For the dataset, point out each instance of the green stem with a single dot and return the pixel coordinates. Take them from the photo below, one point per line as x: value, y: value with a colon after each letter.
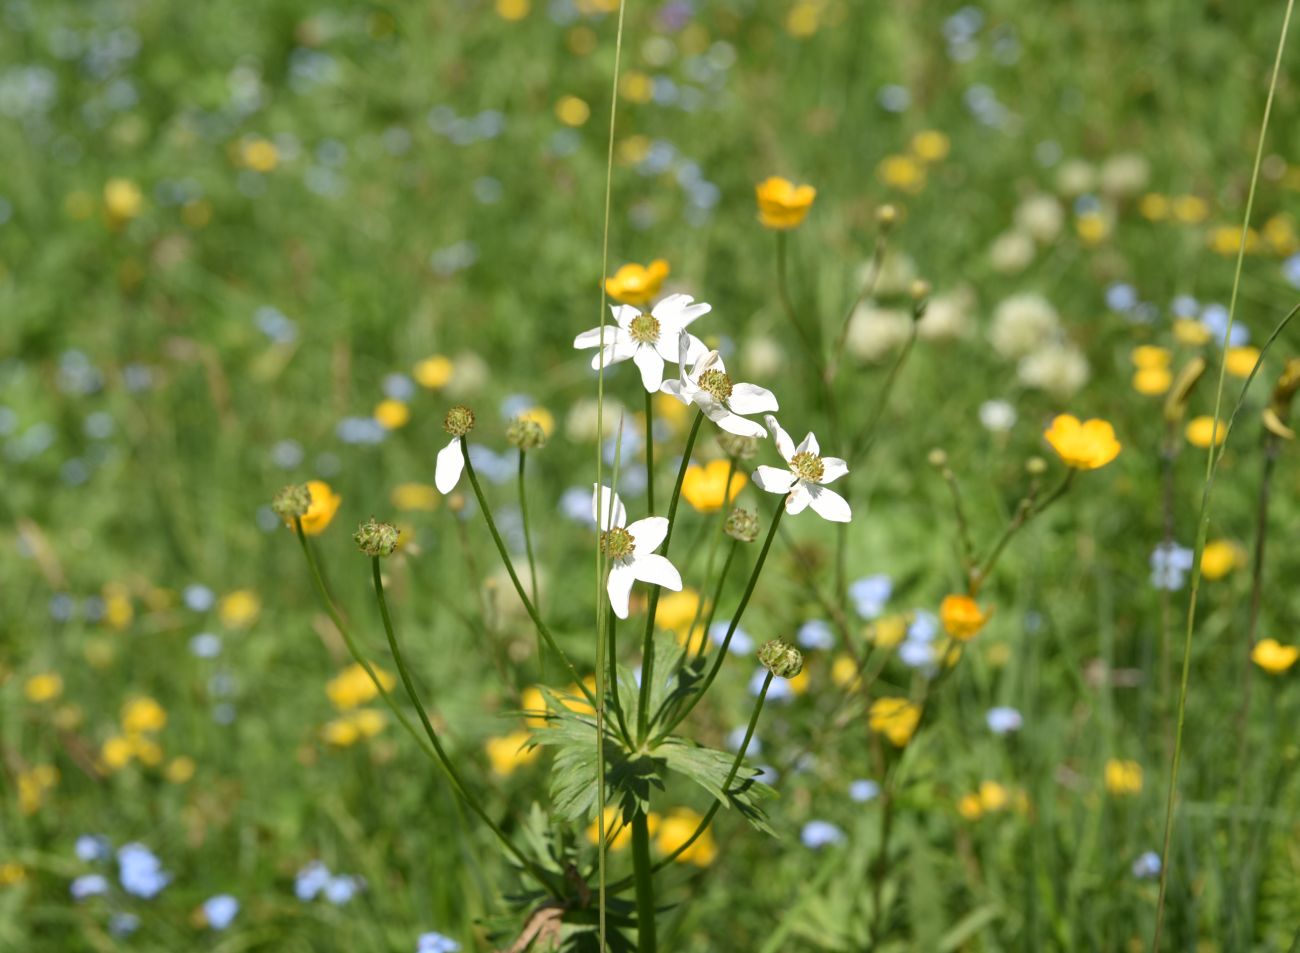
x: 611, y: 621
x: 528, y: 539
x: 735, y: 620
x: 542, y: 630
x: 647, y: 640
x: 649, y: 452
x: 862, y: 443
x: 708, y: 564
x: 447, y: 766
x: 646, y: 941
x: 1026, y: 511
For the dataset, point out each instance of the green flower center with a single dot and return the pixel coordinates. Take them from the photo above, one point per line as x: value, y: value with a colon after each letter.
x: 807, y: 466
x: 644, y: 329
x: 716, y: 383
x: 617, y: 543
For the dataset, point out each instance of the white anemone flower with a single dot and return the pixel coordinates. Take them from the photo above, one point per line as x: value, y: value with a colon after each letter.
x: 806, y: 478
x: 630, y: 549
x: 708, y: 387
x: 648, y: 338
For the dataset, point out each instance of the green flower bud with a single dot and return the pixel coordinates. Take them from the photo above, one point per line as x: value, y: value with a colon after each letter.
x: 741, y: 525
x: 375, y: 538
x: 734, y: 445
x: 292, y: 502
x: 525, y: 434
x: 1035, y: 466
x: 781, y: 658
x: 459, y: 421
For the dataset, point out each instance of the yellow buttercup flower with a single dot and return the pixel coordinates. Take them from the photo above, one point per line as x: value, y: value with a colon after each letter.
x: 1149, y: 356
x: 143, y: 714
x: 1153, y: 381
x: 901, y: 172
x: 637, y: 284
x: 1240, y: 361
x: 676, y: 612
x: 33, y: 785
x: 1220, y: 557
x: 341, y: 732
x: 122, y: 200
x: 324, y: 504
x: 889, y: 631
x: 844, y: 671
x: 513, y: 10
x: 433, y: 372
x: 12, y: 873
x: 1274, y: 657
x: 353, y: 687
x: 1187, y: 331
x: 1092, y: 227
x: 676, y: 828
x: 179, y: 770
x: 259, y: 154
x: 969, y: 807
x: 962, y: 617
x: 1086, y: 445
x: 43, y: 688
x: 572, y: 111
x: 705, y: 488
x: 618, y: 834
x: 1154, y: 207
x: 993, y: 796
x: 392, y: 414
x: 145, y: 750
x: 782, y: 204
x: 575, y: 701
x: 116, y: 753
x: 1226, y: 240
x: 1123, y: 777
x: 895, y: 718
x: 533, y: 703
x: 369, y: 721
x: 545, y: 419
x: 239, y: 609
x: 1201, y: 430
x: 509, y: 752
x: 1190, y: 209
x: 931, y: 145
x: 415, y: 496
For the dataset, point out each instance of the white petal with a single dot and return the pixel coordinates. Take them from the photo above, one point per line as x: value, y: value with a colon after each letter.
x: 752, y: 399
x: 616, y: 351
x: 809, y: 445
x: 603, y: 513
x: 832, y: 469
x: 679, y: 311
x: 619, y: 588
x: 798, y: 499
x: 734, y: 423
x: 784, y: 445
x: 656, y: 570
x: 649, y: 533
x: 592, y: 338
x: 676, y: 389
x: 624, y: 315
x: 695, y: 349
x: 773, y: 480
x: 450, y: 462
x: 829, y: 505
x: 652, y: 367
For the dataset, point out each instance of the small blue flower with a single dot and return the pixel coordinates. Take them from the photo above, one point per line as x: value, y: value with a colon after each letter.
x: 864, y: 790
x: 205, y: 645
x: 339, y: 890
x: 436, y: 943
x: 1215, y: 319
x: 1169, y: 565
x: 220, y: 910
x: 1121, y: 297
x: 199, y: 598
x: 1147, y: 866
x: 870, y: 594
x: 123, y: 924
x: 92, y: 847
x: 141, y: 872
x: 778, y: 691
x: 741, y: 642
x: 398, y: 387
x: 1291, y: 270
x: 916, y: 654
x: 1003, y: 720
x: 89, y: 885
x: 818, y: 834
x: 767, y: 774
x: 923, y: 627
x: 1184, y: 306
x: 311, y: 880
x: 816, y: 634
x: 515, y: 404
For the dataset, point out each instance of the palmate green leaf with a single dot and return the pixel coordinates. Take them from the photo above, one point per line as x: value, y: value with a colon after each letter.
x: 709, y: 767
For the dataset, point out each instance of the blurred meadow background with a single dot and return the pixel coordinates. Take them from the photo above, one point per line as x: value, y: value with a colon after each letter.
x: 244, y: 245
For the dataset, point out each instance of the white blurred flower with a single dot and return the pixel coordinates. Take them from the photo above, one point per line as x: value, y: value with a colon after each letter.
x: 876, y: 332
x: 997, y: 416
x: 709, y: 388
x: 1075, y: 177
x: 762, y: 357
x: 947, y: 316
x: 1023, y: 323
x: 1059, y: 369
x: 897, y: 272
x: 1125, y: 174
x: 1011, y: 252
x: 1041, y: 216
x: 580, y: 424
x: 470, y: 372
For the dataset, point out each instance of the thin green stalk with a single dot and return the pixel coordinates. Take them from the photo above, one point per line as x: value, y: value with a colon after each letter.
x: 611, y: 634
x: 1026, y: 511
x: 528, y: 539
x: 735, y: 621
x: 716, y: 538
x: 447, y: 765
x: 646, y: 941
x: 717, y: 594
x: 647, y: 640
x: 862, y: 443
x: 514, y: 577
x: 649, y: 453
x: 1204, y: 517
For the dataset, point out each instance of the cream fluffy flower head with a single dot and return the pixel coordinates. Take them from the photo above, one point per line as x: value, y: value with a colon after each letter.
x: 1022, y: 324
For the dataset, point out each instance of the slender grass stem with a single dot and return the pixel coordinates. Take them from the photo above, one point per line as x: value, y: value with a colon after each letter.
x: 528, y: 538
x: 646, y: 941
x: 708, y: 564
x: 649, y: 452
x: 531, y: 609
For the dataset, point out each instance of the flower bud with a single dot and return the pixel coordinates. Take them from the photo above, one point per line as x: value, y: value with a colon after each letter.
x: 525, y: 434
x: 459, y: 421
x: 741, y: 525
x: 375, y: 538
x: 781, y: 658
x: 1176, y: 400
x: 1035, y: 466
x: 735, y: 445
x: 938, y: 457
x: 292, y: 502
x: 919, y: 290
x: 887, y: 215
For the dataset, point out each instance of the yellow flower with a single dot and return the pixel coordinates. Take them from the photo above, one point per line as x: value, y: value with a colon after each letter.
x: 1154, y: 207
x: 513, y: 10
x: 546, y: 420
x: 676, y: 829
x: 509, y: 752
x: 1220, y: 557
x: 1190, y: 209
x: 993, y: 796
x: 799, y: 684
x: 969, y: 807
x: 533, y: 703
x: 676, y: 612
x: 901, y: 172
x: 1092, y: 227
x: 962, y: 617
x: 1226, y: 240
x: 1274, y: 657
x: 572, y: 111
x: 1149, y: 356
x: 705, y: 488
x: 1123, y: 777
x: 392, y: 414
x: 844, y: 671
x: 895, y: 718
x: 44, y: 687
x: 618, y: 834
x: 1201, y: 430
x: 259, y: 154
x: 1085, y: 445
x: 179, y: 770
x: 33, y: 786
x: 637, y: 284
x: 1279, y: 232
x: 1153, y: 381
x: 122, y: 200
x: 1240, y: 361
x: 576, y: 702
x: 239, y: 609
x: 414, y: 496
x: 116, y: 753
x: 368, y: 721
x: 803, y: 19
x: 118, y: 610
x: 12, y: 873
x: 782, y: 204
x: 143, y: 714
x: 341, y: 732
x: 888, y: 631
x: 353, y: 687
x: 433, y: 372
x: 324, y: 504
x: 1187, y: 331
x: 145, y: 750
x: 931, y: 145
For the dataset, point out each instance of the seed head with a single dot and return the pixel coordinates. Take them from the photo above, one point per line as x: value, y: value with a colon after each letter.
x: 525, y: 434
x: 716, y: 383
x: 617, y: 543
x: 459, y: 421
x: 734, y: 445
x: 808, y: 466
x: 781, y: 658
x: 375, y: 538
x: 292, y: 502
x: 741, y: 525
x: 644, y: 329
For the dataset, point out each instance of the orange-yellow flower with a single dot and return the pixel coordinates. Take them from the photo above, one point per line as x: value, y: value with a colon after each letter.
x: 1153, y: 381
x: 1274, y: 657
x: 895, y: 718
x: 1220, y: 557
x: 705, y: 488
x: 782, y: 204
x: 324, y: 504
x: 637, y: 284
x: 509, y: 752
x: 1202, y: 430
x: 676, y: 828
x: 1085, y: 445
x: 1240, y: 361
x: 1123, y: 777
x: 962, y: 617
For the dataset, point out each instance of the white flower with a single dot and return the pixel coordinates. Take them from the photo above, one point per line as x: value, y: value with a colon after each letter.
x: 1075, y: 176
x: 1023, y: 323
x: 997, y: 416
x: 947, y: 316
x: 875, y: 333
x: 630, y: 549
x: 805, y: 480
x: 1059, y: 369
x: 708, y: 387
x: 1125, y: 174
x: 1011, y: 252
x: 1041, y: 216
x: 451, y: 461
x: 648, y: 338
